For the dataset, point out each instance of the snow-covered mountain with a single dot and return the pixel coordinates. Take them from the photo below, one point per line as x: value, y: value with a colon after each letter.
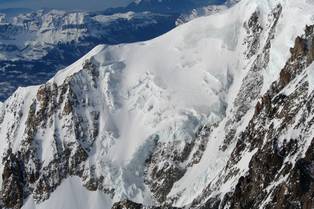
x: 33, y: 46
x: 217, y: 113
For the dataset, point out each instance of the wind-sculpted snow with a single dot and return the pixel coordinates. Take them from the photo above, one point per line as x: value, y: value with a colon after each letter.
x: 204, y: 116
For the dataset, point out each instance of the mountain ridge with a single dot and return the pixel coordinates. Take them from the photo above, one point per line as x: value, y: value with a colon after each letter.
x: 35, y: 45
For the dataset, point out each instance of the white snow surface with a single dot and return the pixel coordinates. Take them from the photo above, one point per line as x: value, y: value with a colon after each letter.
x: 71, y: 194
x: 167, y: 86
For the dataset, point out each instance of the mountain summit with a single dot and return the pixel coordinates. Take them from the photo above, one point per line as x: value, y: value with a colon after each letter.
x: 217, y: 113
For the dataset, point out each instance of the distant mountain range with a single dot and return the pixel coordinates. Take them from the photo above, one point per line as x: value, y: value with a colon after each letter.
x: 165, y: 6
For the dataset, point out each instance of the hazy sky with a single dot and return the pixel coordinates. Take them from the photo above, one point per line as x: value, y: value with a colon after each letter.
x: 62, y: 4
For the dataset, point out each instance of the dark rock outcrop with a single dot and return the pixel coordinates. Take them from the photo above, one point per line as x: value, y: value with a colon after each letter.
x: 13, y: 186
x: 272, y: 161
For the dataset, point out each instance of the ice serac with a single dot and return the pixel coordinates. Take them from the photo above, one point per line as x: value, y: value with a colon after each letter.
x: 216, y: 113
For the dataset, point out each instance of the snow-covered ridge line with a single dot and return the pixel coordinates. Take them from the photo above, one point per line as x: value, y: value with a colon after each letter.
x: 38, y: 30
x: 34, y: 46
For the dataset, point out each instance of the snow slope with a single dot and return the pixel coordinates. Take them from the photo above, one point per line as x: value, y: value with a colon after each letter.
x: 149, y: 95
x: 71, y: 194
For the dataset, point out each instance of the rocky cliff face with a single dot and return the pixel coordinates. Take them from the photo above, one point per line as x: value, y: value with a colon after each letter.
x: 191, y: 129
